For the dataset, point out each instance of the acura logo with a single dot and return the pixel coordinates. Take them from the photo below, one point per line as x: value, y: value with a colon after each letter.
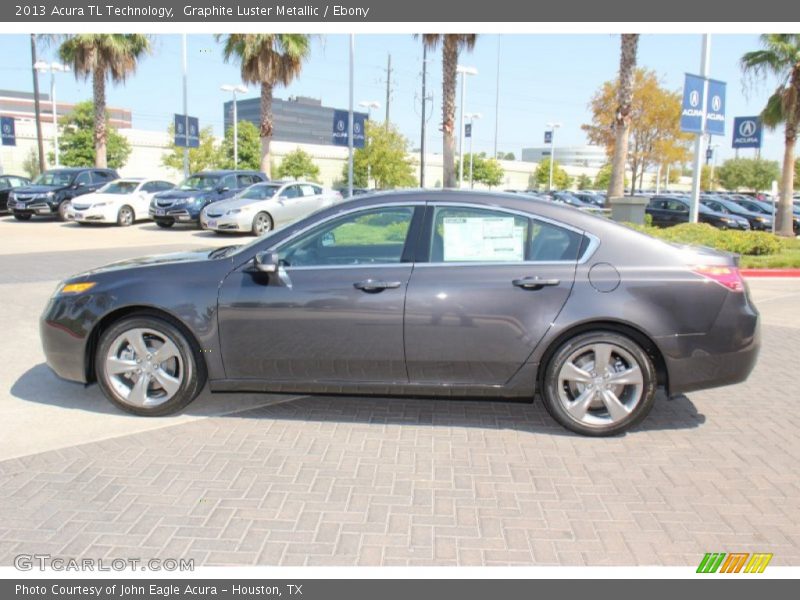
x: 340, y: 125
x: 694, y: 98
x: 747, y: 128
x: 716, y: 103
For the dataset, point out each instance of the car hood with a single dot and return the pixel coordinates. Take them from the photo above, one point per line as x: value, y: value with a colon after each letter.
x: 36, y: 189
x: 234, y: 203
x: 95, y: 198
x: 187, y: 256
x: 181, y: 194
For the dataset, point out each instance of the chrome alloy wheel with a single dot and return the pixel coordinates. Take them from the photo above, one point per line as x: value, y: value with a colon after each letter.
x: 600, y: 384
x: 144, y: 367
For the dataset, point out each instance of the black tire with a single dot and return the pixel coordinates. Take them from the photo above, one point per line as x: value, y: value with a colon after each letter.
x: 551, y: 395
x: 262, y: 224
x: 125, y: 216
x: 193, y: 373
x: 62, y: 210
x: 165, y: 224
x: 22, y: 217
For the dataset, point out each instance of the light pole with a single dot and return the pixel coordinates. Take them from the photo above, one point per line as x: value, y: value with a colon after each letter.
x: 369, y: 105
x: 53, y: 68
x: 464, y: 71
x: 233, y: 89
x: 713, y: 149
x: 471, y: 117
x: 552, y: 127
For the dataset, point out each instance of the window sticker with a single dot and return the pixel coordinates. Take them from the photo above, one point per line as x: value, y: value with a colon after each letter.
x: 482, y: 239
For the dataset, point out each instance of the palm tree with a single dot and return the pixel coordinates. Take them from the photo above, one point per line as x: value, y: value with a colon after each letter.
x: 622, y: 119
x: 268, y: 59
x: 780, y: 57
x: 102, y: 56
x: 452, y: 45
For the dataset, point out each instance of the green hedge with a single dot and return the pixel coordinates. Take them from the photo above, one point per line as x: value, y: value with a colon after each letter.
x: 746, y: 243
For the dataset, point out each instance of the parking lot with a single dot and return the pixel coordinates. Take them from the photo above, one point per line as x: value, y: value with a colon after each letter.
x: 278, y: 479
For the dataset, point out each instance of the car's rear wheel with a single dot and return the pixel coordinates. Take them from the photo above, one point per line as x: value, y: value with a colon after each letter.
x: 165, y: 224
x: 125, y: 216
x: 599, y: 383
x: 262, y: 223
x: 147, y: 366
x: 62, y: 210
x: 22, y: 217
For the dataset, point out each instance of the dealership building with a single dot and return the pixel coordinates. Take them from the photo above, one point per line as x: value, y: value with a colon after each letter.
x: 20, y: 105
x: 300, y: 119
x: 591, y: 157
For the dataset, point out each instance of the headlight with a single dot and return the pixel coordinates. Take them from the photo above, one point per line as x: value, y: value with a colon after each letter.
x: 12, y: 196
x: 761, y: 219
x: 50, y: 194
x: 726, y: 220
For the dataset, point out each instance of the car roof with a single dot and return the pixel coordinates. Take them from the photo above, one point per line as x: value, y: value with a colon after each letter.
x: 228, y: 172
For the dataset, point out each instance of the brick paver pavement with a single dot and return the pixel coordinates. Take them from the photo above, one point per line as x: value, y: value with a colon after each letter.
x: 413, y: 482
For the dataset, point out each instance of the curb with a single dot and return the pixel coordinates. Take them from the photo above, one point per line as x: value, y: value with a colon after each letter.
x: 782, y: 273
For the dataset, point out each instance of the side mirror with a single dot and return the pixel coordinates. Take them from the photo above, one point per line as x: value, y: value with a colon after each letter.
x: 266, y: 262
x: 78, y: 184
x: 222, y: 189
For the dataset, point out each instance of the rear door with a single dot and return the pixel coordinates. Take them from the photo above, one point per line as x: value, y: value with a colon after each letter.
x: 489, y: 285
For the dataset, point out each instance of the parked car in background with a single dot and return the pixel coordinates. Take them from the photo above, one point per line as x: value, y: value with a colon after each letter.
x: 759, y: 206
x: 8, y: 183
x: 357, y: 191
x: 266, y: 206
x: 667, y: 211
x: 51, y: 192
x: 184, y: 203
x: 425, y: 293
x: 758, y: 220
x: 122, y: 201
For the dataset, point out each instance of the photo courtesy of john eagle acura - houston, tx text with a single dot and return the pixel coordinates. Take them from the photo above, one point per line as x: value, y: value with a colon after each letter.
x: 416, y: 293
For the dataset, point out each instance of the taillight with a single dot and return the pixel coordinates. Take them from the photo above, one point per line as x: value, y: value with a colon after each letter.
x: 725, y: 276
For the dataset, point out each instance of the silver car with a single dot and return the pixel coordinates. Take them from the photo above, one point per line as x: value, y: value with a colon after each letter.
x: 266, y: 206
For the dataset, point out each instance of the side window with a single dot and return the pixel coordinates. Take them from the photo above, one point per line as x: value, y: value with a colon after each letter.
x: 477, y: 235
x: 375, y: 236
x: 5, y: 182
x: 291, y: 191
x: 83, y: 178
x: 229, y: 181
x: 307, y: 190
x: 550, y: 242
x: 164, y: 185
x: 246, y: 180
x: 101, y: 176
x: 676, y: 206
x: 317, y: 189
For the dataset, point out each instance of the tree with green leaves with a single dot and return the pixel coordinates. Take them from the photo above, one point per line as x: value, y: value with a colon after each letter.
x: 584, y: 182
x: 76, y: 143
x: 541, y: 176
x: 780, y: 57
x: 383, y: 159
x: 747, y: 174
x: 103, y: 56
x: 298, y: 164
x: 249, y: 147
x: 603, y: 178
x: 30, y: 164
x: 484, y: 170
x: 205, y: 156
x: 452, y: 45
x: 267, y: 60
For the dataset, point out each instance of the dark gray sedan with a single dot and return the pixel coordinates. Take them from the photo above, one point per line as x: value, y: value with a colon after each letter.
x: 416, y: 293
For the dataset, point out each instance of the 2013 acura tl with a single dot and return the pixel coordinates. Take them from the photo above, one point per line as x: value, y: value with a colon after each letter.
x: 416, y: 293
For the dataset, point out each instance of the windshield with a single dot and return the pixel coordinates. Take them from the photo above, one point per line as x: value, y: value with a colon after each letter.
x: 200, y: 182
x: 260, y: 192
x: 55, y: 178
x: 119, y: 187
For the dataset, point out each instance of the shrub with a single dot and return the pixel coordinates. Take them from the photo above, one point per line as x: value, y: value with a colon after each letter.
x: 746, y: 243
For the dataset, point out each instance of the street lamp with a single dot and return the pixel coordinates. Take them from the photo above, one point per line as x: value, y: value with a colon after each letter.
x: 52, y: 68
x: 369, y: 105
x: 552, y: 127
x: 233, y: 89
x: 464, y: 71
x: 471, y: 117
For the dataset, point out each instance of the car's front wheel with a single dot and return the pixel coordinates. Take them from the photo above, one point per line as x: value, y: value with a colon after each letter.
x: 262, y: 223
x: 165, y: 224
x: 63, y: 208
x: 147, y: 366
x: 125, y: 216
x: 22, y: 217
x: 599, y: 383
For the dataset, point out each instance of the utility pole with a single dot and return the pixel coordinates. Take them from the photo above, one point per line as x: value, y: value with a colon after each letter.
x: 694, y: 205
x: 185, y: 109
x: 350, y: 119
x: 36, y: 108
x: 497, y: 99
x: 422, y: 127
x: 388, y: 89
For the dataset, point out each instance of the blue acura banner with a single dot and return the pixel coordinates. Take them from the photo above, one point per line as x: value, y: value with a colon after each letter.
x: 692, y: 108
x: 7, y: 129
x: 715, y: 107
x: 747, y: 132
x: 184, y: 138
x: 340, y: 128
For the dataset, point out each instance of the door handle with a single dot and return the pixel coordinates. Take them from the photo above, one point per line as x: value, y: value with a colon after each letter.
x: 534, y: 283
x: 373, y: 286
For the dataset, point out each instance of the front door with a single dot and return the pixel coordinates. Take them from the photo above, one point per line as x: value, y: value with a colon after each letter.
x: 493, y: 284
x: 333, y: 312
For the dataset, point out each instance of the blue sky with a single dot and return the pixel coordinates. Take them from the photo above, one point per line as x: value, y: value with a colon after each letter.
x: 542, y: 78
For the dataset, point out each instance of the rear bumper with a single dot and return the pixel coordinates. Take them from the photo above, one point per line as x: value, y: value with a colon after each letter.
x: 726, y: 355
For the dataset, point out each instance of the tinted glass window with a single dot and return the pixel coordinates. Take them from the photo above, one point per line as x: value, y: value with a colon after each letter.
x: 291, y: 191
x: 54, y: 178
x: 101, y: 176
x: 245, y: 180
x: 260, y: 192
x: 676, y: 205
x: 477, y: 235
x: 200, y: 182
x: 119, y: 187
x: 83, y: 178
x: 369, y: 237
x: 551, y: 242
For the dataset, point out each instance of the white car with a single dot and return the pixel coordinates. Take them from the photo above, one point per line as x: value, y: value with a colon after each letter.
x: 263, y: 207
x: 122, y: 201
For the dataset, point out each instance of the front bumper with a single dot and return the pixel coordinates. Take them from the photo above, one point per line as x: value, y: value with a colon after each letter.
x: 34, y: 207
x: 92, y: 215
x: 238, y: 222
x: 180, y: 214
x: 65, y: 348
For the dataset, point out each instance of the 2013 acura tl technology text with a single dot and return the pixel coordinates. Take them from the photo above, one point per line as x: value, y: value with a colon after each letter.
x: 416, y: 293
